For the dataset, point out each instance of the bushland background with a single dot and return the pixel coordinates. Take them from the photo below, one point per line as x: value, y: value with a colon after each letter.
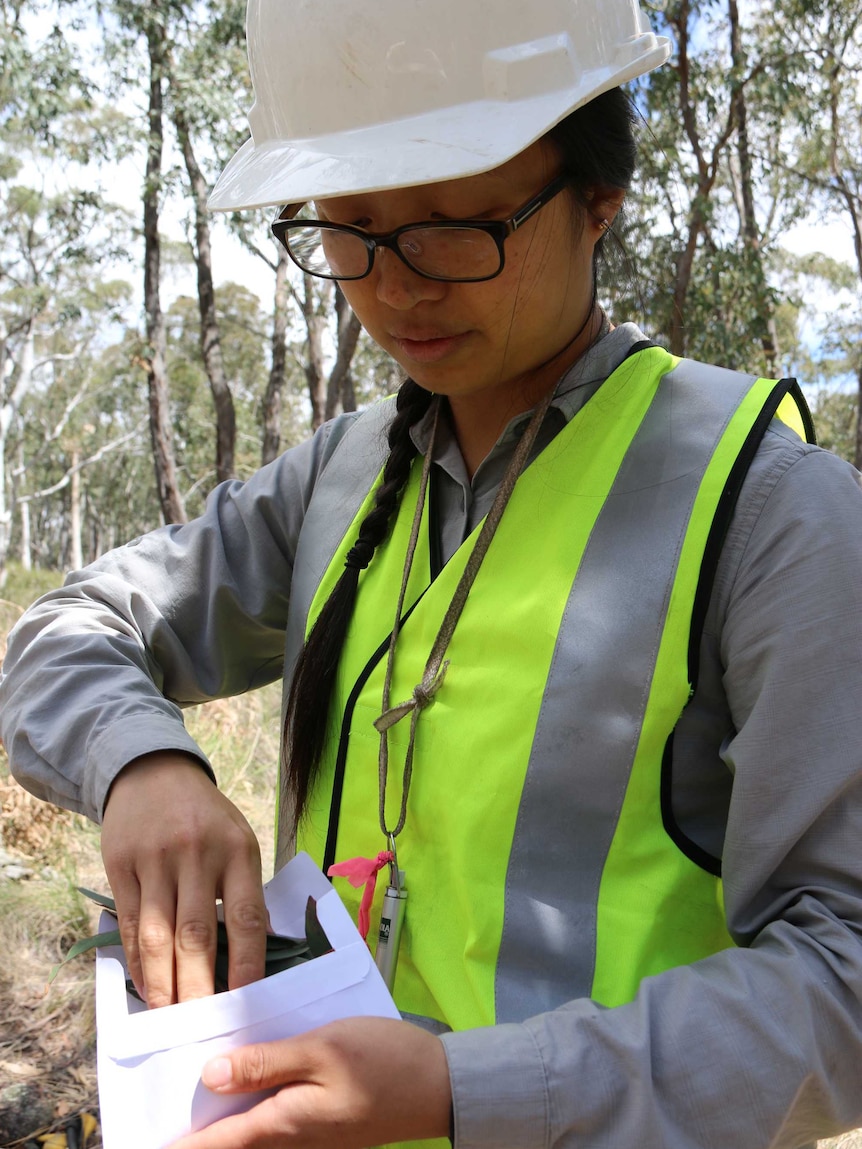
x: 149, y: 351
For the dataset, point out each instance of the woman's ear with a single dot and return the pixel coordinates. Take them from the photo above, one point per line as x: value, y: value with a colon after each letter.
x: 603, y: 203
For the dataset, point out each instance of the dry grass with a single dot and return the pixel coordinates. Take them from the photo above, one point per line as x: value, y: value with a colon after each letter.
x: 47, y: 1051
x: 47, y: 1070
x: 241, y: 737
x: 47, y: 1037
x: 848, y: 1141
x: 31, y: 827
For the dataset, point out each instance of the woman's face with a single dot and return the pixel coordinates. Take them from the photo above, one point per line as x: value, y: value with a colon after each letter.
x: 502, y: 341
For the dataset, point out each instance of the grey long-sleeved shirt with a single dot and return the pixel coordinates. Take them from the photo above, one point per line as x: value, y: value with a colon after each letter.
x: 755, y: 1047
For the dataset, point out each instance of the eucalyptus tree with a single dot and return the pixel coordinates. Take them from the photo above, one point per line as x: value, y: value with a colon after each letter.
x: 87, y: 480
x: 743, y: 178
x: 207, y: 86
x: 273, y: 396
x: 243, y: 326
x: 330, y: 333
x: 192, y: 52
x: 689, y: 121
x: 53, y: 309
x: 62, y: 246
x: 128, y: 27
x: 823, y: 145
x: 711, y: 203
x: 151, y: 21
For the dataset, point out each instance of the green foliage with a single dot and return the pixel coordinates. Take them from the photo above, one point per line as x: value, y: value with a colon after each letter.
x: 24, y: 586
x: 243, y: 328
x: 62, y: 248
x: 282, y: 952
x: 51, y: 908
x: 835, y: 415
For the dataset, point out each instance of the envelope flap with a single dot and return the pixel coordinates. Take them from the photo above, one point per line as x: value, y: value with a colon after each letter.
x: 125, y: 1036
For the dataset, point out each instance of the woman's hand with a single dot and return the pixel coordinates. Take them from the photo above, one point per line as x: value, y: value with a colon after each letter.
x: 356, y: 1083
x: 172, y: 844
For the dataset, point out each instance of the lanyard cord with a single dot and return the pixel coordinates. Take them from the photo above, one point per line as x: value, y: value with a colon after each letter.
x: 383, y: 754
x: 435, y: 667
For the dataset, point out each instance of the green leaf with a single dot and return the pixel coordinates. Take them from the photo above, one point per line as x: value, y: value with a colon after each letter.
x: 97, y: 941
x: 282, y: 952
x: 102, y: 900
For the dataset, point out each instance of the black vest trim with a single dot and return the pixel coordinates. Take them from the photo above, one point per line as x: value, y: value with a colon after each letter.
x: 343, y: 740
x: 703, y: 594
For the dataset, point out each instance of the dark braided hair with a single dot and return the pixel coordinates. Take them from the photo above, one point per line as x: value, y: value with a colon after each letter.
x: 308, y: 705
x: 597, y: 148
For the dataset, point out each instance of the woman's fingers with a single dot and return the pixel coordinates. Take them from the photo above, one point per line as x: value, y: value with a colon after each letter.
x: 246, y: 920
x: 254, y: 1068
x: 354, y: 1083
x: 127, y: 897
x: 156, y: 941
x: 195, y: 935
x: 171, y: 842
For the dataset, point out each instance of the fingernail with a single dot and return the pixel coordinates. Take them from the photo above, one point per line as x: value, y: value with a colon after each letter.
x: 217, y: 1073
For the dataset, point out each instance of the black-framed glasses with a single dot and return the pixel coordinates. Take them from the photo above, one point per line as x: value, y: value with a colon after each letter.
x: 457, y: 251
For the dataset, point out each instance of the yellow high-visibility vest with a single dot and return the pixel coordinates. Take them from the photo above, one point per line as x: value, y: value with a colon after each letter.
x: 539, y: 850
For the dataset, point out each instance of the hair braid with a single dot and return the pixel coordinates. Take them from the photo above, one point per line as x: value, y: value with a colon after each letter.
x: 309, y: 701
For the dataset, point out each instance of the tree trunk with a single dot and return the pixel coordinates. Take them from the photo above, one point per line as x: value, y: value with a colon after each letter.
x: 697, y: 214
x: 854, y: 209
x: 76, y: 554
x: 764, y: 321
x: 5, y: 516
x: 707, y: 168
x: 314, y: 313
x: 8, y: 414
x: 682, y: 280
x: 210, y: 335
x: 26, y: 534
x: 155, y: 362
x: 340, y: 385
x: 275, y: 385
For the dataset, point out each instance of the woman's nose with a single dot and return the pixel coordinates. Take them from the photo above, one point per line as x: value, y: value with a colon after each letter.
x: 398, y: 286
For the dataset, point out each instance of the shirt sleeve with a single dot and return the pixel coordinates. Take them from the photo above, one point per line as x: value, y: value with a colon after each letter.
x: 760, y: 1045
x: 97, y: 672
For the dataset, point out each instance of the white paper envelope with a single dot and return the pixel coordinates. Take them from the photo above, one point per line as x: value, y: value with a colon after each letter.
x: 150, y: 1062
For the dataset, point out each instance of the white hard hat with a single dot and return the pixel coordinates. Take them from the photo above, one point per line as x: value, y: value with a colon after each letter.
x: 363, y: 95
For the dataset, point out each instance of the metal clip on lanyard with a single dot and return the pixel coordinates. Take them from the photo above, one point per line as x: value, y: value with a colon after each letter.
x: 391, y: 920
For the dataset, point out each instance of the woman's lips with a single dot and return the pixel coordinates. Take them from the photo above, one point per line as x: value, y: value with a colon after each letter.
x: 429, y: 350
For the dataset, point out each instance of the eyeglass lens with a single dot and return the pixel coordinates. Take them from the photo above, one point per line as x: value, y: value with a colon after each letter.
x: 445, y: 252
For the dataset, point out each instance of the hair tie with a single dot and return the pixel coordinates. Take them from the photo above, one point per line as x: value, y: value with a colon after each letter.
x: 359, y: 555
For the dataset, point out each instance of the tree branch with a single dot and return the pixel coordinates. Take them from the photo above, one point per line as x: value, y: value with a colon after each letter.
x: 94, y: 458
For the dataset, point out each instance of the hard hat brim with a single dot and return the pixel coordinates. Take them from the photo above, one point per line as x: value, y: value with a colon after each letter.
x: 445, y: 144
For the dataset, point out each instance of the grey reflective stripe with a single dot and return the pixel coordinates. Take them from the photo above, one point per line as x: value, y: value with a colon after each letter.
x: 336, y: 500
x: 596, y: 694
x: 427, y: 1023
x: 337, y: 497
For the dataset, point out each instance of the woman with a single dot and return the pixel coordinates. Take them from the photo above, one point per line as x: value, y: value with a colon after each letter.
x: 583, y: 635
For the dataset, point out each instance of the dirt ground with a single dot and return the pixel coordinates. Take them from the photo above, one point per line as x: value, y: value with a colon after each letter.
x: 47, y: 1036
